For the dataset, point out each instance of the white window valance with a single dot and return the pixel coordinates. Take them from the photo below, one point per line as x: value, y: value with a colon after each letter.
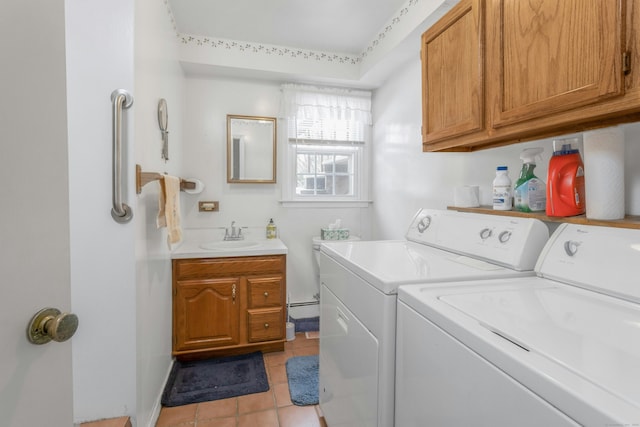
x: 325, y: 115
x: 314, y: 103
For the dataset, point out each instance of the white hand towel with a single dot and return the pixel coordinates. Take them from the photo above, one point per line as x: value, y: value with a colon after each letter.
x: 169, y: 208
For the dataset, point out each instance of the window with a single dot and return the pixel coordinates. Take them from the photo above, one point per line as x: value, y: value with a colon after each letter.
x: 327, y: 132
x: 326, y: 171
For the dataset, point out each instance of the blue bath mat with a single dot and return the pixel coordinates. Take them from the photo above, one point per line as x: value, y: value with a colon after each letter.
x: 307, y: 324
x: 213, y: 379
x: 302, y: 374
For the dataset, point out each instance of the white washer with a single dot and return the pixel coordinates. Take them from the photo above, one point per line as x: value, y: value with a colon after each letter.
x: 559, y: 349
x: 359, y: 282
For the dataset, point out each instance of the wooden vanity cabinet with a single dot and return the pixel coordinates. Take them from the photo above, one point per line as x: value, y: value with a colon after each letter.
x: 225, y: 306
x: 546, y: 68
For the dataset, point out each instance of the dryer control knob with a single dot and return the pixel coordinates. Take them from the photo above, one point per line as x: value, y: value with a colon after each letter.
x: 424, y: 223
x: 485, y: 233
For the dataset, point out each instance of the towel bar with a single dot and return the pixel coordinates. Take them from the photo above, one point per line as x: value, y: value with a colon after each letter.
x: 143, y: 178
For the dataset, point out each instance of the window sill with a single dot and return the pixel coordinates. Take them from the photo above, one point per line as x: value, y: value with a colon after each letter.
x: 326, y: 203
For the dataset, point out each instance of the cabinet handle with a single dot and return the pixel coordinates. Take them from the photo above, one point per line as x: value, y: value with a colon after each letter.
x: 233, y: 293
x: 266, y: 326
x: 626, y: 63
x: 266, y: 294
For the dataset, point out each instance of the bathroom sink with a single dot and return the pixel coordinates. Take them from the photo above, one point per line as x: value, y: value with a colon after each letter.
x: 209, y: 247
x: 223, y: 245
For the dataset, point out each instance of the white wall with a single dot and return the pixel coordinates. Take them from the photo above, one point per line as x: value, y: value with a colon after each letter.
x: 403, y: 178
x: 157, y: 75
x: 406, y: 179
x: 100, y: 60
x: 208, y: 101
x: 121, y: 274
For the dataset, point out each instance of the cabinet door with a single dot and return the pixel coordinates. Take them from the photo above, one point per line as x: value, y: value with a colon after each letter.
x: 206, y: 313
x: 550, y: 56
x: 452, y: 73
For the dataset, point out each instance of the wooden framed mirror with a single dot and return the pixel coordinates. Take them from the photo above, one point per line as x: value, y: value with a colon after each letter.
x: 251, y: 149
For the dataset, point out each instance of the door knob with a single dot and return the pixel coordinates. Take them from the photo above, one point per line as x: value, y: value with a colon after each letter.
x: 50, y: 324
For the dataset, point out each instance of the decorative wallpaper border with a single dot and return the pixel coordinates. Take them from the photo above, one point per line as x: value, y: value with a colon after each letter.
x: 394, y: 22
x: 305, y: 54
x: 266, y: 49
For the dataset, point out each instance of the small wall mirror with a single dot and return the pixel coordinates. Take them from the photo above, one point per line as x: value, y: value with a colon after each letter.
x: 251, y: 149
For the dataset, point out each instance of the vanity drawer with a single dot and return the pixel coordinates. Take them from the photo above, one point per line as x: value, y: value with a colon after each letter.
x: 265, y: 291
x: 208, y: 267
x: 265, y: 325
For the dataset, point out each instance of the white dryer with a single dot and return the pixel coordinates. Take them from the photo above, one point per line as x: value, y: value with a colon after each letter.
x: 559, y: 349
x: 359, y: 282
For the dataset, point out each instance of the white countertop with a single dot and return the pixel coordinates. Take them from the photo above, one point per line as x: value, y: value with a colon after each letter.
x: 193, y: 241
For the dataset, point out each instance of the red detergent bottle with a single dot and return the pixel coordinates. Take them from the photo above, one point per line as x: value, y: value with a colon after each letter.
x: 565, y: 180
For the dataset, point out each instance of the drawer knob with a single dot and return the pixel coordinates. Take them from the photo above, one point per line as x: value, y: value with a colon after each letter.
x: 266, y: 326
x: 266, y: 294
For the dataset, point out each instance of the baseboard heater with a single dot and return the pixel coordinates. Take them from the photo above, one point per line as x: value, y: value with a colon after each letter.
x: 304, y: 303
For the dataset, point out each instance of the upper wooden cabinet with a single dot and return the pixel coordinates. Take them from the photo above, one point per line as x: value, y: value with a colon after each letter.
x: 552, y: 56
x: 537, y: 69
x: 452, y: 73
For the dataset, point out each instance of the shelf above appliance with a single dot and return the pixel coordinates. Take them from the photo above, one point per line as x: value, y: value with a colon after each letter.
x: 629, y: 221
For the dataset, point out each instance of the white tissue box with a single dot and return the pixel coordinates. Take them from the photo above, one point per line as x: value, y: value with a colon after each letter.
x: 334, y: 233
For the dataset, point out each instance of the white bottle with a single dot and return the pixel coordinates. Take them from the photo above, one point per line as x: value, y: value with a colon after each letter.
x: 502, y: 190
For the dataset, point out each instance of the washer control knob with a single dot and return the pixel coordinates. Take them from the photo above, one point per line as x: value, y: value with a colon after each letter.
x: 504, y: 236
x: 571, y: 247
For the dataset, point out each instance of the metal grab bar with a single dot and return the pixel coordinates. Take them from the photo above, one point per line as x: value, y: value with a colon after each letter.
x: 120, y: 212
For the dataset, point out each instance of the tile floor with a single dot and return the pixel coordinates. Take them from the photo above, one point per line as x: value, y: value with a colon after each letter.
x: 112, y: 422
x: 272, y: 408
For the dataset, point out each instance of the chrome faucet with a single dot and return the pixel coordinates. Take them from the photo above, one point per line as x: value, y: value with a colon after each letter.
x: 236, y: 232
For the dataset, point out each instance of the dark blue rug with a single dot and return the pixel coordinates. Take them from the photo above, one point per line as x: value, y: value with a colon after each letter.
x: 213, y: 379
x: 307, y: 324
x: 302, y: 374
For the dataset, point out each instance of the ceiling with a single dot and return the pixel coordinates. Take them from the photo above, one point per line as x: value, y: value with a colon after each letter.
x: 339, y: 26
x: 355, y: 43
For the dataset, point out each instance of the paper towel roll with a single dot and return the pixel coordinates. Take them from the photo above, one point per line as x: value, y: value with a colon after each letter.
x: 466, y: 196
x: 604, y: 173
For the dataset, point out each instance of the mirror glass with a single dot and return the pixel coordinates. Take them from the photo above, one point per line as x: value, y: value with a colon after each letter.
x: 251, y: 149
